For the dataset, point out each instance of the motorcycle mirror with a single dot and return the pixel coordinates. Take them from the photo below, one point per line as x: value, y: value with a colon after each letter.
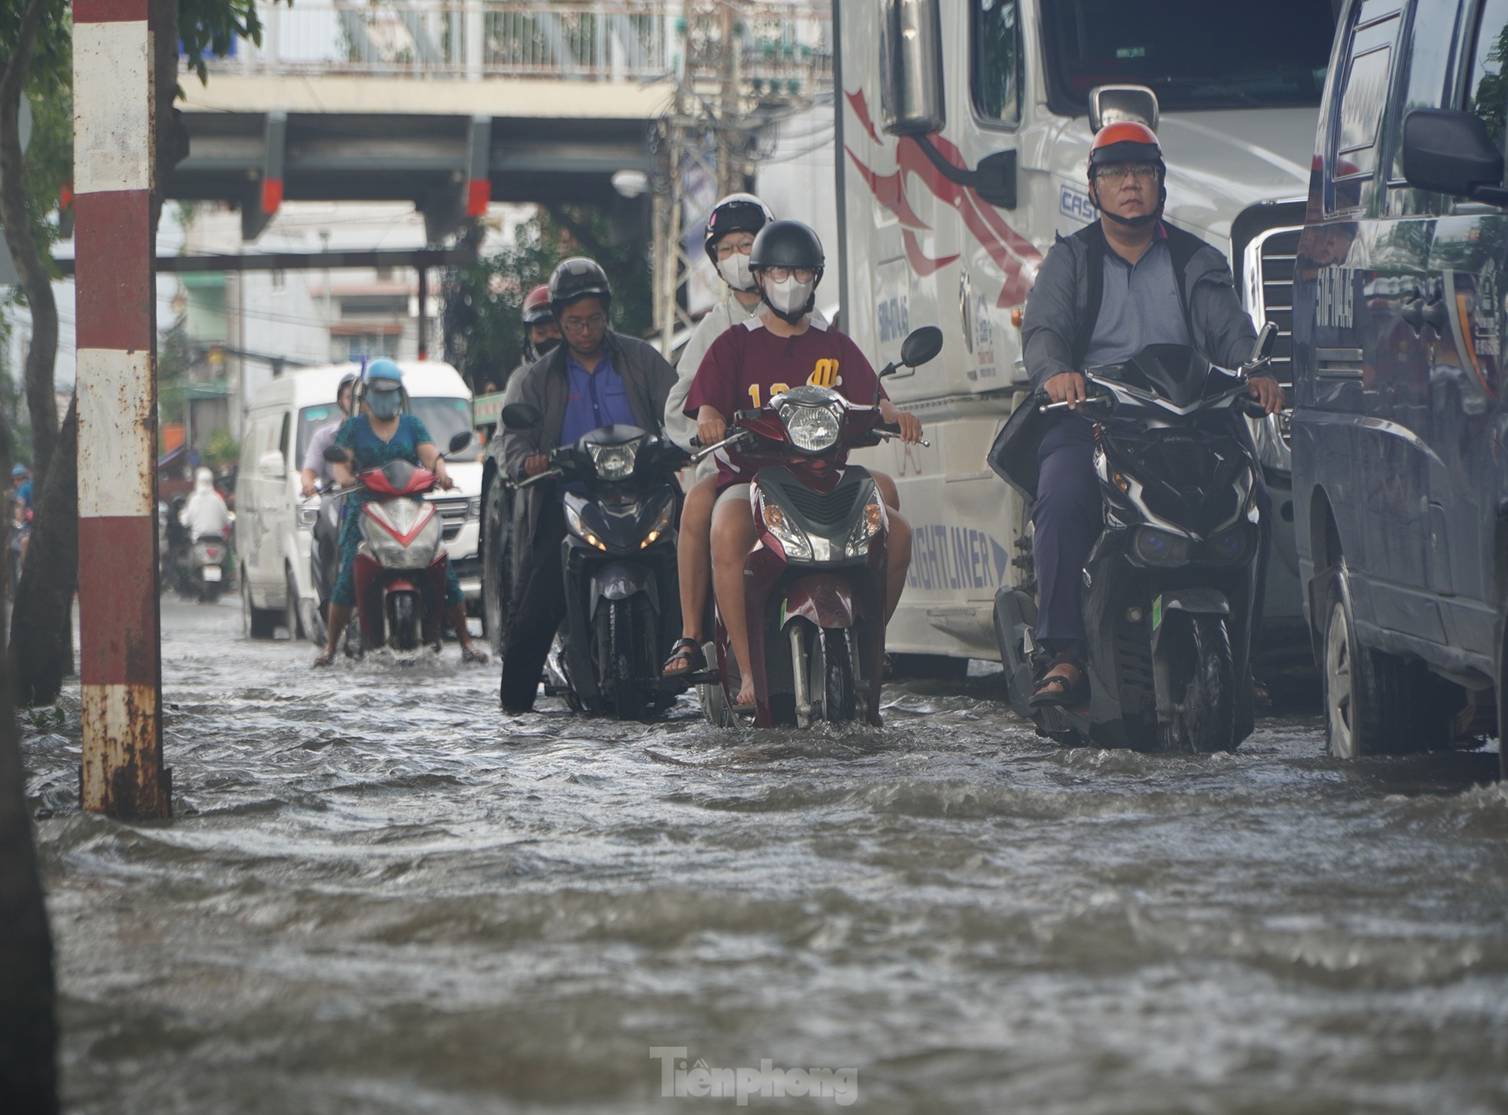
x: 921, y: 345
x: 521, y: 416
x: 1265, y: 341
x: 335, y: 454
x: 460, y: 441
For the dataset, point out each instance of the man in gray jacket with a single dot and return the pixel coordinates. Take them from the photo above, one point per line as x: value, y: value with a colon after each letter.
x: 1102, y: 295
x: 596, y: 378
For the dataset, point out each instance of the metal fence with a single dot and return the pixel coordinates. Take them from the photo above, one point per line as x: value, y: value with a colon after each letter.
x: 593, y: 40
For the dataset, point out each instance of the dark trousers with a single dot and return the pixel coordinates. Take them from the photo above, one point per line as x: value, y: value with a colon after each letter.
x: 537, y: 607
x: 326, y: 548
x: 1067, y: 519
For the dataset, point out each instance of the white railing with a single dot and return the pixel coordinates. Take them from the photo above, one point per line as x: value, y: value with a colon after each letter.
x: 782, y: 41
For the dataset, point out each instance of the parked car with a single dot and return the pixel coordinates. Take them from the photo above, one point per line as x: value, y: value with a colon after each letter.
x: 1400, y: 490
x: 274, y: 525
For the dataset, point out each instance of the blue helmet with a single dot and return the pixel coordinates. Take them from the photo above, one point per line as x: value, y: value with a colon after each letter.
x: 18, y: 471
x: 382, y: 388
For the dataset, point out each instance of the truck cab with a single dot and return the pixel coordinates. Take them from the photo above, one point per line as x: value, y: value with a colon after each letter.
x: 1399, y: 422
x: 962, y: 135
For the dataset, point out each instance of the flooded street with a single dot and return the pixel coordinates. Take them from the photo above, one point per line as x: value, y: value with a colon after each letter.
x: 379, y: 895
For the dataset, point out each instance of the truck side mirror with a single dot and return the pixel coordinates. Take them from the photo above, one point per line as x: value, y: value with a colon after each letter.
x: 1111, y: 103
x: 911, y: 83
x: 921, y: 345
x: 521, y: 416
x: 1450, y: 152
x: 460, y: 441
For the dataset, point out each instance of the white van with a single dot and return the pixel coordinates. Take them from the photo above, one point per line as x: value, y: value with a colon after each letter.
x: 957, y: 150
x: 274, y: 527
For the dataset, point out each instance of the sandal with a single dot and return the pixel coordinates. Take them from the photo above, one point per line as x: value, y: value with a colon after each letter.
x: 688, y: 651
x: 324, y: 658
x: 471, y: 655
x: 1059, y: 690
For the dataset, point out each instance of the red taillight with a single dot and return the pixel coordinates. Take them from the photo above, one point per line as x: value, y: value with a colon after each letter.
x: 212, y: 552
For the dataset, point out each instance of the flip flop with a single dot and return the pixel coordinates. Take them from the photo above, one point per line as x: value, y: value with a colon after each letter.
x: 688, y: 651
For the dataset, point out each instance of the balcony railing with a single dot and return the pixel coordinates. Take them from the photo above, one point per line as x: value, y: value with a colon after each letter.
x: 588, y: 40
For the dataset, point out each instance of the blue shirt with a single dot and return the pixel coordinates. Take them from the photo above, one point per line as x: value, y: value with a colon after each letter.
x: 1139, y: 307
x: 596, y: 399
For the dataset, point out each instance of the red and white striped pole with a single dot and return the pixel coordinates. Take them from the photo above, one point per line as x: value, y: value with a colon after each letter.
x: 114, y: 144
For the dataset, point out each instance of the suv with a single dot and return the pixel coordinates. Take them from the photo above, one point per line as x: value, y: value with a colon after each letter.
x: 1401, y: 390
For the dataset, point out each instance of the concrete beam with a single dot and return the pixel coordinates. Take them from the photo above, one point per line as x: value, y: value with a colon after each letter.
x: 306, y: 261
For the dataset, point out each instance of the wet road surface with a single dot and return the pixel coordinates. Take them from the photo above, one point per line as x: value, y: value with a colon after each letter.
x: 380, y: 895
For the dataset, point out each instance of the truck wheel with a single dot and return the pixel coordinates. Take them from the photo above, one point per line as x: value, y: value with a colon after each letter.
x: 1372, y: 698
x: 291, y: 618
x: 932, y: 667
x: 256, y: 623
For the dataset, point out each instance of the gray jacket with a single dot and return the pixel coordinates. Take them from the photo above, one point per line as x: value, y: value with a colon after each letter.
x: 544, y: 384
x: 1065, y: 302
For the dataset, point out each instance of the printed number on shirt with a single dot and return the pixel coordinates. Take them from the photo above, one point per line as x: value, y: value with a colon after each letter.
x: 775, y: 389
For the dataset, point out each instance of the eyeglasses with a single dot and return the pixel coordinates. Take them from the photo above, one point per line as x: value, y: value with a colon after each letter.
x: 781, y: 274
x: 583, y: 324
x: 1142, y: 172
x: 727, y: 249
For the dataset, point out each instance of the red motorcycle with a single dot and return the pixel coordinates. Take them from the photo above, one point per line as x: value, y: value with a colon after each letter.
x: 814, y: 581
x: 401, y: 561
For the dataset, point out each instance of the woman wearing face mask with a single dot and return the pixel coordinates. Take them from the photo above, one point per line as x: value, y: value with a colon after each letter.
x: 380, y: 433
x: 783, y: 348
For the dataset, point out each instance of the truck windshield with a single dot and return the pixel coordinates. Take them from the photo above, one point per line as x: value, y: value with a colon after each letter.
x: 442, y: 415
x: 1194, y: 54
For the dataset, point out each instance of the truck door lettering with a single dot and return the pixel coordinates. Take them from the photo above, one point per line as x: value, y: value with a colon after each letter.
x: 1333, y: 297
x: 954, y: 557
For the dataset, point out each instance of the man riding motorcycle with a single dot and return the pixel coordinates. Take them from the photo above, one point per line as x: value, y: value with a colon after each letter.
x: 317, y: 473
x: 750, y: 363
x: 1102, y: 295
x: 596, y: 378
x: 541, y: 333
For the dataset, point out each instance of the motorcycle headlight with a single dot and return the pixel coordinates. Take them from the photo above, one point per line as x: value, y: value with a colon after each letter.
x: 661, y: 525
x: 812, y: 429
x: 580, y: 530
x: 797, y: 546
x: 615, y: 462
x: 1159, y: 547
x: 870, y: 520
x: 1230, y: 547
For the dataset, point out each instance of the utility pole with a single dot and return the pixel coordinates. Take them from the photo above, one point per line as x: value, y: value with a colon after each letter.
x: 114, y: 149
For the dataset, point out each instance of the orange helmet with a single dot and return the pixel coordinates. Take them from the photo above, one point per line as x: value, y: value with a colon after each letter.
x: 1125, y: 141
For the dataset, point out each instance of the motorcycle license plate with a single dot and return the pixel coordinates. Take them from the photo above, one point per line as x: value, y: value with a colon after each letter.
x: 212, y: 573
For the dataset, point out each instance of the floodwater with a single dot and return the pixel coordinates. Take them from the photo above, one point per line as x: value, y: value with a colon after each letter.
x: 380, y: 895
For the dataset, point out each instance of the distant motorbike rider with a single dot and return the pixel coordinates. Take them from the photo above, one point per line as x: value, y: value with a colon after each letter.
x: 316, y: 474
x: 541, y: 332
x: 381, y: 432
x: 596, y: 378
x: 1102, y: 295
x: 205, y: 512
x: 784, y: 347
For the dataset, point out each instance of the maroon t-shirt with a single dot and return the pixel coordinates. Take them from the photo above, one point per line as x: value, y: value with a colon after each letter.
x: 748, y: 365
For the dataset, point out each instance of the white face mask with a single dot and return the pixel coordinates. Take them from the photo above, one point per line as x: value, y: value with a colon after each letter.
x: 789, y: 297
x: 735, y: 272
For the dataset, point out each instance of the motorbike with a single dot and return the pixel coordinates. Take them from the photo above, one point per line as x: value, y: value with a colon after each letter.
x: 815, y: 578
x: 204, y: 567
x: 401, y: 560
x: 622, y: 507
x: 1171, y: 584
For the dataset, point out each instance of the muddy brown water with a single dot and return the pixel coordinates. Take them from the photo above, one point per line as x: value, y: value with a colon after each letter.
x: 380, y: 895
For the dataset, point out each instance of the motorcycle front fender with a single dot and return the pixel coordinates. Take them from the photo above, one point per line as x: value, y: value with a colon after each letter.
x: 620, y: 580
x: 824, y: 599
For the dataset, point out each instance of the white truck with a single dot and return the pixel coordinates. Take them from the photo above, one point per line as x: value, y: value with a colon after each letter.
x: 960, y: 131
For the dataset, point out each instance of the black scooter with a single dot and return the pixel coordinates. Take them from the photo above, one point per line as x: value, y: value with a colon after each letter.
x: 622, y: 506
x: 1171, y: 584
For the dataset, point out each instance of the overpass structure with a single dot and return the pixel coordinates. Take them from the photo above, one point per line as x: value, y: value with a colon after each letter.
x: 451, y: 104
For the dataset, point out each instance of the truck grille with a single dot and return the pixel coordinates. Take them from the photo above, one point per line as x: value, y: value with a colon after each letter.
x: 1268, y: 267
x: 452, y: 515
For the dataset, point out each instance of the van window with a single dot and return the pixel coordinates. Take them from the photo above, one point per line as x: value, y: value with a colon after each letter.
x: 1195, y: 54
x: 996, y: 36
x: 310, y: 419
x: 1364, y: 95
x: 1428, y: 50
x: 444, y: 418
x: 283, y: 440
x: 1485, y: 90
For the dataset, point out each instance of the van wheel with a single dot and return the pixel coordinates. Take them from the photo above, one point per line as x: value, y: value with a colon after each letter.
x: 1372, y: 698
x: 291, y: 619
x: 256, y: 623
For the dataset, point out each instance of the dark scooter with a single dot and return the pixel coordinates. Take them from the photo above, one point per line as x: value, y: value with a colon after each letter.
x: 1170, y: 585
x: 815, y: 579
x: 622, y: 506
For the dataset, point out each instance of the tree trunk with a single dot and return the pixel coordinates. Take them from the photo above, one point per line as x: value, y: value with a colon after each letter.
x: 28, y: 1003
x: 41, y: 651
x: 35, y: 280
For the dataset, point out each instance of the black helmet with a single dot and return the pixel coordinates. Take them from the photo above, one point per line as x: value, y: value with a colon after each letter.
x: 576, y: 278
x: 735, y: 213
x: 787, y: 244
